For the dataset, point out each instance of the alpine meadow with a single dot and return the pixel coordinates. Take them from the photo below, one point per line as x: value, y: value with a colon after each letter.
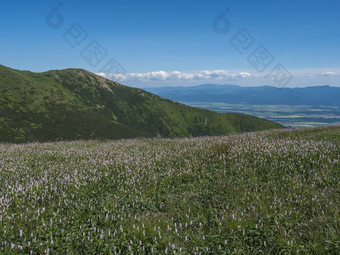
x: 170, y: 127
x: 272, y: 192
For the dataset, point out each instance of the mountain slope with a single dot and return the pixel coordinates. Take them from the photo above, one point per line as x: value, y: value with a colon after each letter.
x: 263, y: 95
x: 76, y: 104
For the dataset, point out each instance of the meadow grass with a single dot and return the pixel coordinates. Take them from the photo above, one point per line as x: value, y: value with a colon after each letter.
x: 272, y: 192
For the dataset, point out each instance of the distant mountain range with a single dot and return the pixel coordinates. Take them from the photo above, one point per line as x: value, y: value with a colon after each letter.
x: 264, y: 95
x: 76, y: 104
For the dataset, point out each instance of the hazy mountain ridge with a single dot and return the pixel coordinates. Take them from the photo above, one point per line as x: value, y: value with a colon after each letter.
x: 76, y: 104
x: 265, y: 95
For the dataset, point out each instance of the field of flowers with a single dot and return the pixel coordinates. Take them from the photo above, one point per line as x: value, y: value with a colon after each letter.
x: 274, y: 192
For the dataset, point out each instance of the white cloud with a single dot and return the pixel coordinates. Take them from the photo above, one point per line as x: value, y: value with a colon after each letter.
x: 247, y: 77
x: 329, y: 74
x: 176, y: 75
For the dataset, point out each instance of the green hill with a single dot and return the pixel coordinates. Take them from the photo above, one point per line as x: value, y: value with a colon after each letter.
x: 76, y: 104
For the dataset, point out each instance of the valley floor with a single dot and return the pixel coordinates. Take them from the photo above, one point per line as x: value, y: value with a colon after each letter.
x: 297, y: 116
x: 273, y: 192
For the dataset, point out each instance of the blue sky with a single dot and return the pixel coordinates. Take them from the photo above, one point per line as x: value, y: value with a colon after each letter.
x: 159, y: 43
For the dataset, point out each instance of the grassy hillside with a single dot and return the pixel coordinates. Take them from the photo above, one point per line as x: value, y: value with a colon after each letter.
x: 272, y: 192
x: 76, y: 104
